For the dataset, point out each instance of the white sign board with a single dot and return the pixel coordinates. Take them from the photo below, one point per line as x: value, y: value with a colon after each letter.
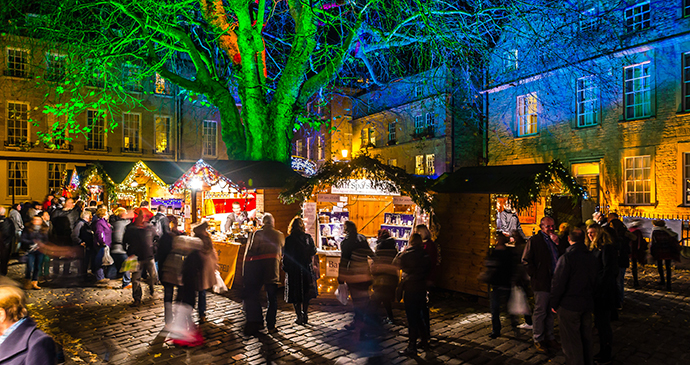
x: 359, y: 187
x: 309, y: 215
x: 332, y: 264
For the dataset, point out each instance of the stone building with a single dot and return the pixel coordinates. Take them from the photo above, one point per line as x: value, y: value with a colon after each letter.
x: 161, y: 125
x: 603, y: 86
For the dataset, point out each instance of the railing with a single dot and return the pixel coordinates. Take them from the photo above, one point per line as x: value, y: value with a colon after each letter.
x: 63, y: 147
x: 167, y: 151
x: 93, y: 149
x: 130, y: 150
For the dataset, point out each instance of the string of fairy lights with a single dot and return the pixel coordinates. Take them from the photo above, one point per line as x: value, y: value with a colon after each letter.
x: 202, y: 172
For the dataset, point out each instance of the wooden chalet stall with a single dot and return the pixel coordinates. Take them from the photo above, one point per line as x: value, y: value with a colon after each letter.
x: 139, y: 181
x: 365, y: 191
x: 94, y: 183
x: 467, y: 204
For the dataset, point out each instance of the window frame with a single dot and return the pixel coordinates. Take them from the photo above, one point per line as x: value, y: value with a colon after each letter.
x: 419, y: 165
x: 320, y: 148
x: 131, y: 78
x: 168, y: 138
x: 429, y: 164
x: 18, y: 140
x: 299, y: 147
x: 418, y: 124
x: 392, y: 131
x: 588, y: 20
x: 125, y: 129
x: 372, y: 137
x: 634, y: 181
x: 56, y: 55
x: 686, y: 178
x: 11, y: 72
x: 51, y: 119
x: 635, y: 93
x: 630, y: 16
x: 685, y: 79
x: 523, y: 113
x: 206, y: 140
x: 97, y: 116
x: 11, y: 187
x: 511, y: 60
x: 167, y: 87
x: 53, y: 179
x: 429, y: 122
x: 584, y: 90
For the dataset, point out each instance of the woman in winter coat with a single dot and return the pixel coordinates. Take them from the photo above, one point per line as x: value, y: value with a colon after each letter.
x: 102, y: 238
x: 300, y: 280
x: 117, y: 249
x: 170, y: 278
x: 502, y: 264
x: 664, y: 248
x: 33, y: 235
x: 385, y: 274
x: 606, y: 290
x: 199, y: 272
x: 415, y: 265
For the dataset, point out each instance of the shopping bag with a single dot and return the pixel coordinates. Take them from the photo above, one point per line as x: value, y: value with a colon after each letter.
x: 107, y: 259
x: 131, y: 264
x: 219, y: 286
x: 518, y: 302
x: 341, y: 294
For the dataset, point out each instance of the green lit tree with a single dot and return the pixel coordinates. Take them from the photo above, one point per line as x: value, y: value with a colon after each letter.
x: 270, y: 57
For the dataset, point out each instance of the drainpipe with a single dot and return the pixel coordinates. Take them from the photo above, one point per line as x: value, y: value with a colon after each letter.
x: 485, y: 136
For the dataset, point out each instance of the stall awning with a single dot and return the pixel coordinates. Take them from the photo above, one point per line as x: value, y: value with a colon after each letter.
x: 522, y: 182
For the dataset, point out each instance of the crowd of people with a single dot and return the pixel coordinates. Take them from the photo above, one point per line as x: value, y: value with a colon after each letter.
x: 575, y: 273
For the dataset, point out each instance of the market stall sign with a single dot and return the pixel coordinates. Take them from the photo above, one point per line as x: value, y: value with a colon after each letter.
x: 402, y: 200
x: 332, y: 264
x: 327, y: 198
x: 359, y: 187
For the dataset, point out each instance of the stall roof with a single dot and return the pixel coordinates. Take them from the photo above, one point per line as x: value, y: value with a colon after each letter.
x: 488, y: 179
x: 263, y: 174
x: 168, y: 171
x: 117, y: 170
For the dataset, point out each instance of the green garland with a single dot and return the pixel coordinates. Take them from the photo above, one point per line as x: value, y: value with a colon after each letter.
x: 527, y: 193
x: 388, y: 178
x: 109, y: 188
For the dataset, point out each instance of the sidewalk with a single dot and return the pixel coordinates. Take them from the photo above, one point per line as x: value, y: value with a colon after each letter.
x: 96, y: 326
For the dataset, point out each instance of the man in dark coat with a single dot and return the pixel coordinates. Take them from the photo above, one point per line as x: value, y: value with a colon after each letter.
x: 262, y: 268
x: 6, y: 238
x: 572, y: 297
x: 540, y: 257
x: 138, y: 238
x: 21, y: 343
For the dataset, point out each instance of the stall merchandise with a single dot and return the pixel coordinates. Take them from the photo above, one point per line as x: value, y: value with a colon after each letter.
x: 400, y: 226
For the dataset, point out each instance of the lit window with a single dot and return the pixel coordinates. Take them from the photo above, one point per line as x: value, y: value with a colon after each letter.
x: 56, y: 66
x: 57, y: 124
x: 309, y: 145
x: 368, y: 137
x: 162, y: 87
x: 17, y: 62
x: 419, y: 165
x: 131, y: 124
x: 638, y: 91
x: 637, y: 17
x: 210, y: 137
x: 638, y: 180
x: 55, y: 171
x: 320, y: 148
x: 17, y: 123
x: 392, y: 162
x: 510, y: 60
x: 95, y: 138
x: 372, y: 137
x: 589, y: 20
x: 131, y: 77
x: 418, y: 124
x: 430, y: 168
x: 17, y: 178
x: 686, y: 81
x: 392, y: 135
x: 587, y: 102
x: 429, y: 124
x: 299, y: 147
x: 162, y: 134
x: 527, y: 114
x: 686, y: 178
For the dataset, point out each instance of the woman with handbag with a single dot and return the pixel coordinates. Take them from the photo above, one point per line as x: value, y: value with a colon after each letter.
x: 103, y: 235
x: 170, y: 271
x: 300, y: 281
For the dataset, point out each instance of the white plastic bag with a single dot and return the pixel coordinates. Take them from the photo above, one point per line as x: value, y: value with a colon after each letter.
x: 518, y: 302
x: 220, y: 286
x: 341, y: 294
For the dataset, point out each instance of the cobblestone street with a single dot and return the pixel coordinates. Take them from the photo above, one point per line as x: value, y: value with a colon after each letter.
x: 95, y: 325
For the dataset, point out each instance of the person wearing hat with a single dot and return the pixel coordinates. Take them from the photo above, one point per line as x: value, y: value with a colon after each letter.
x: 638, y: 250
x: 664, y: 248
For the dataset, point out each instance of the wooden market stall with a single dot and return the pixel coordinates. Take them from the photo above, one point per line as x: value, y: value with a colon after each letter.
x: 467, y: 204
x: 137, y: 181
x: 366, y: 191
x: 93, y: 184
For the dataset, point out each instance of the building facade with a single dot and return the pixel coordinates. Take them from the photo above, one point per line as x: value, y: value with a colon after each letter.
x: 608, y: 95
x: 159, y: 123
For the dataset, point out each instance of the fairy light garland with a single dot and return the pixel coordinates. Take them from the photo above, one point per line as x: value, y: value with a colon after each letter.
x: 203, y: 171
x: 138, y: 170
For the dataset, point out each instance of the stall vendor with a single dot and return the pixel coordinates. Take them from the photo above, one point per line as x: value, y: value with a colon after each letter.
x: 237, y: 215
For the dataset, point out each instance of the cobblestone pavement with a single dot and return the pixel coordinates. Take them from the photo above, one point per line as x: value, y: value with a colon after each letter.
x: 95, y: 325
